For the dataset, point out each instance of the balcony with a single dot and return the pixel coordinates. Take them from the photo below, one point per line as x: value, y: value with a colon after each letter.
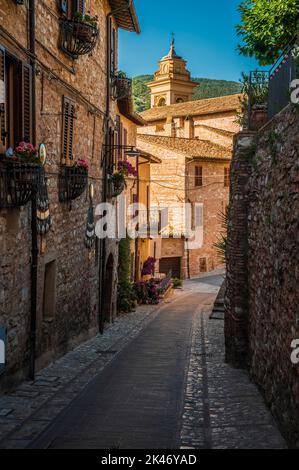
x: 269, y: 91
x: 121, y: 87
x: 18, y: 183
x: 78, y: 37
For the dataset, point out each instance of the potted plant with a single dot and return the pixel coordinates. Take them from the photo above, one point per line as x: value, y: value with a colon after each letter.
x: 73, y: 180
x: 82, y: 164
x: 20, y: 171
x: 84, y: 26
x: 118, y: 179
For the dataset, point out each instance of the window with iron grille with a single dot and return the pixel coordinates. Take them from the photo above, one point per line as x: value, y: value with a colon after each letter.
x: 68, y: 118
x: 198, y: 176
x: 15, y: 101
x: 226, y: 177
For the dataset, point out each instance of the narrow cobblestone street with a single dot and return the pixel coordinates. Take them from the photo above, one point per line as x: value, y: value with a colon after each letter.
x: 155, y: 380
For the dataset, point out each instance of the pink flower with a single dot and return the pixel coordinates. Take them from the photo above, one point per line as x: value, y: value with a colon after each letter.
x: 30, y: 147
x: 82, y: 163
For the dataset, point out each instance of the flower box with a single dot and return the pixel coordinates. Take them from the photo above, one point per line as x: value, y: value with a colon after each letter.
x: 117, y: 187
x: 78, y: 37
x: 18, y: 182
x: 72, y: 182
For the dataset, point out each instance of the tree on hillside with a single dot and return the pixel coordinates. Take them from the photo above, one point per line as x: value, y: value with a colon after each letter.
x: 207, y: 88
x: 141, y: 92
x: 267, y: 26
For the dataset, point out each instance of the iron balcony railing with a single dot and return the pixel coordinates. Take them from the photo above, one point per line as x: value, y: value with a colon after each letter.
x: 269, y: 91
x: 121, y: 87
x: 280, y: 77
x: 78, y: 38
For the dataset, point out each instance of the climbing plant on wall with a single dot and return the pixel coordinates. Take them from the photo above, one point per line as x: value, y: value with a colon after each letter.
x: 126, y: 299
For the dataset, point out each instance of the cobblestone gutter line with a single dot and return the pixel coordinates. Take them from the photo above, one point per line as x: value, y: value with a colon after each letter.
x: 223, y: 409
x: 31, y: 408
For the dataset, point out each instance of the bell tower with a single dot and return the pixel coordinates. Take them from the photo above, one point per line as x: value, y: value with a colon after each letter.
x: 172, y: 83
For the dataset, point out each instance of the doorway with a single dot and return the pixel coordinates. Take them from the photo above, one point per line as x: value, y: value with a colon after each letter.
x: 108, y: 290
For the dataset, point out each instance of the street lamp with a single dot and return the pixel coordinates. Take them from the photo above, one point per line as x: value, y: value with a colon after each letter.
x: 132, y: 153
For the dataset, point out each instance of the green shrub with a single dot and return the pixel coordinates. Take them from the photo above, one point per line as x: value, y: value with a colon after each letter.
x: 126, y: 298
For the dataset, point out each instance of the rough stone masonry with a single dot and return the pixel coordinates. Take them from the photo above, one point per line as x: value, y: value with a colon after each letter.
x: 262, y: 296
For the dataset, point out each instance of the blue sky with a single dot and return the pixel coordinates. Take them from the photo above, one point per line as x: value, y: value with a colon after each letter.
x: 205, y: 37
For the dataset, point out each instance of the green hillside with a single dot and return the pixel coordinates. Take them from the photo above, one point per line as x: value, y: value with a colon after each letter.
x: 208, y: 89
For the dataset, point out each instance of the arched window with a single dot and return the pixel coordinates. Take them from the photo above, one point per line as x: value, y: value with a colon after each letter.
x: 179, y: 100
x: 161, y: 102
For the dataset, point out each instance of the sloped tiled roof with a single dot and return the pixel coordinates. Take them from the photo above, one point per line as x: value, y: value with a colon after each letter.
x: 194, y: 108
x: 126, y: 17
x: 193, y: 148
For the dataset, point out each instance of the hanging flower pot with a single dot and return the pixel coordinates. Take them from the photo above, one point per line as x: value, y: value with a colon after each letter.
x: 20, y: 174
x: 18, y: 181
x: 259, y: 117
x: 118, y: 184
x: 73, y: 181
x: 79, y: 36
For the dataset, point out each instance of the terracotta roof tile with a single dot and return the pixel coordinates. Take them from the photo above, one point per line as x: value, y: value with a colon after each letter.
x: 125, y: 16
x: 195, y: 108
x: 193, y: 148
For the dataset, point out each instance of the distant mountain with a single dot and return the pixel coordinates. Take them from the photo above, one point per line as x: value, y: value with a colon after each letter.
x: 208, y: 89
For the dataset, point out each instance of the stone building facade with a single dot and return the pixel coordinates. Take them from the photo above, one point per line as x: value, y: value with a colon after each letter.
x: 261, y: 323
x: 64, y: 92
x: 194, y: 141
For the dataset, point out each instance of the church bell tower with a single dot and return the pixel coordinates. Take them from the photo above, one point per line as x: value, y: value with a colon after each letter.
x: 172, y: 83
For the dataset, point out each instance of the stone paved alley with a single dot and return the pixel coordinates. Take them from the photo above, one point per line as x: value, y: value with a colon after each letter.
x: 156, y: 379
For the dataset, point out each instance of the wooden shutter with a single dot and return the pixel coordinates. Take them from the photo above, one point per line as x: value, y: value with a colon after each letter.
x: 118, y: 138
x: 198, y: 176
x: 111, y: 151
x: 26, y: 103
x: 112, y: 40
x: 2, y: 101
x: 68, y: 116
x: 124, y: 140
x: 121, y: 150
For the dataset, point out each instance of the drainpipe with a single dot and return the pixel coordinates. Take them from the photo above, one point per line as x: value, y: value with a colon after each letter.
x: 34, y: 242
x: 103, y: 244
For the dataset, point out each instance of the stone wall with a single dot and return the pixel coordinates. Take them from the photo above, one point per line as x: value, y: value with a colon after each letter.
x: 236, y: 301
x: 75, y: 268
x: 213, y: 195
x: 263, y: 289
